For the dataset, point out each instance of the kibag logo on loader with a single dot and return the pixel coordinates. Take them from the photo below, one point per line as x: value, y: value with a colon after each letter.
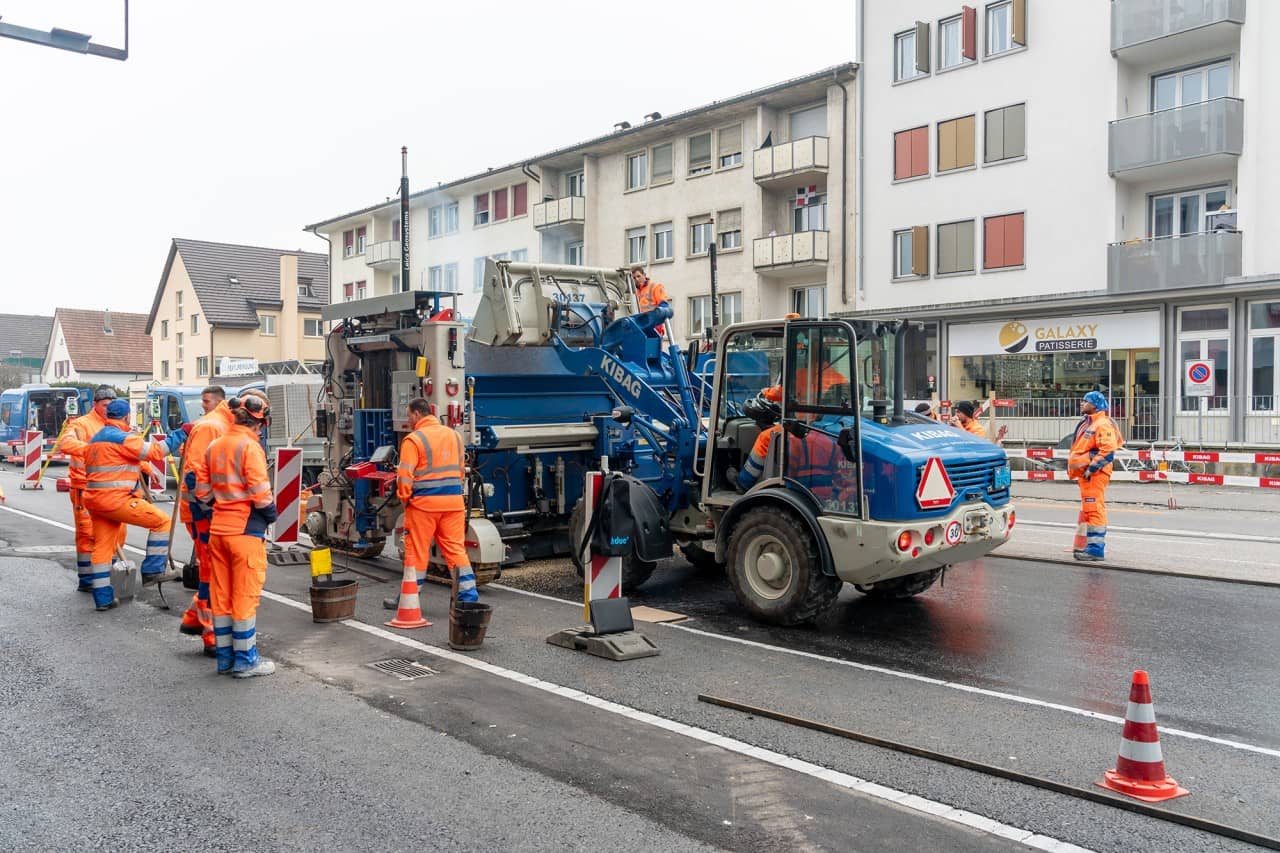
x: 620, y: 375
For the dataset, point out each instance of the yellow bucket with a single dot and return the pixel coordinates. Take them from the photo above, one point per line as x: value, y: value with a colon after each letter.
x: 321, y: 562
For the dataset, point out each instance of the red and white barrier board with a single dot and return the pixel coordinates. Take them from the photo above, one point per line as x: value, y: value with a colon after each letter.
x: 288, y: 491
x: 1162, y: 477
x: 1153, y: 455
x: 602, y: 575
x: 32, y: 456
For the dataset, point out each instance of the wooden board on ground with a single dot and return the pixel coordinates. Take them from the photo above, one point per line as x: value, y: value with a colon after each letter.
x: 653, y: 614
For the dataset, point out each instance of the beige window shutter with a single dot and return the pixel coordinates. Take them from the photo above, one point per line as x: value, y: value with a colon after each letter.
x: 947, y: 145
x: 964, y: 141
x: 729, y: 141
x: 920, y: 250
x: 729, y: 220
x: 1019, y: 33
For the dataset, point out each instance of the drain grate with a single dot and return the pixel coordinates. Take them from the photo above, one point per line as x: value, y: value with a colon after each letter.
x: 405, y: 670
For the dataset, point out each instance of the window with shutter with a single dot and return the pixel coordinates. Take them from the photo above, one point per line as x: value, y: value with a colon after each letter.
x: 480, y: 204
x: 661, y: 159
x: 911, y: 153
x: 1002, y: 241
x: 729, y: 229
x: 519, y: 199
x: 955, y: 247
x: 500, y: 204
x: 1005, y: 134
x: 809, y: 122
x: 920, y: 250
x: 699, y: 234
x: 637, y: 170
x: 636, y: 253
x: 955, y: 143
x: 663, y: 242
x: 729, y: 146
x: 700, y: 154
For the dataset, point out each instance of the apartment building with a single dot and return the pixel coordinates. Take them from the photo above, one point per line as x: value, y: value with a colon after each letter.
x: 765, y: 175
x: 218, y: 302
x: 1074, y: 196
x: 453, y: 228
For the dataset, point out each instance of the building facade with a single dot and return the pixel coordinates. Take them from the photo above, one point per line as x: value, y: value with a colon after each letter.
x: 24, y: 341
x: 1073, y: 197
x: 767, y: 176
x: 219, y: 303
x: 97, y: 347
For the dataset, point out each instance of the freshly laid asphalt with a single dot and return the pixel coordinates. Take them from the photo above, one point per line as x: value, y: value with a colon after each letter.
x: 1042, y: 633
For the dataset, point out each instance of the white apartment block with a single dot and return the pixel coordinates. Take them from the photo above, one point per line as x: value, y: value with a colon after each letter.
x: 1078, y: 196
x: 656, y: 194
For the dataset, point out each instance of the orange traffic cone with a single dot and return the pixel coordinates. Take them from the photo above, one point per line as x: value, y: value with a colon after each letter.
x: 1139, y: 770
x: 409, y: 615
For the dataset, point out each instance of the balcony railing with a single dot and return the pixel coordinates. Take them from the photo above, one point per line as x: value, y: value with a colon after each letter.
x: 786, y: 251
x: 570, y: 210
x: 786, y: 160
x: 1211, y: 128
x: 1168, y: 263
x: 384, y: 254
x: 1136, y: 25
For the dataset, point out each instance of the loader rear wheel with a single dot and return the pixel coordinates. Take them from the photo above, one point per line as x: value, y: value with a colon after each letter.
x: 634, y: 570
x: 775, y: 570
x: 906, y: 586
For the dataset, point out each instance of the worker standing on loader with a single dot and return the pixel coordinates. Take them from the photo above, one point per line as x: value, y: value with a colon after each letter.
x: 198, y: 619
x: 74, y: 441
x: 429, y: 484
x: 965, y: 418
x: 234, y: 484
x: 649, y: 293
x: 113, y: 464
x: 1089, y: 464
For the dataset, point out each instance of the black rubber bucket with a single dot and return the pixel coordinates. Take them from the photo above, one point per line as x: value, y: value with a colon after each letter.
x: 333, y: 601
x: 468, y: 620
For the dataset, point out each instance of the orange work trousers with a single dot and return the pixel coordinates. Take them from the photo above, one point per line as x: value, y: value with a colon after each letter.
x: 109, y: 532
x: 237, y: 572
x: 1091, y: 528
x: 84, y: 536
x: 447, y: 529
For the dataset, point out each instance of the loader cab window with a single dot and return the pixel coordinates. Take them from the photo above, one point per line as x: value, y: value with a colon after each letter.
x: 752, y: 363
x: 820, y: 404
x: 875, y: 363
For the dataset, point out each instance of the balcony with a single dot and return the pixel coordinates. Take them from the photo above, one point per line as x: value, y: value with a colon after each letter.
x: 1157, y: 146
x: 383, y: 256
x: 1150, y: 31
x: 1170, y: 263
x: 790, y: 255
x: 571, y: 210
x: 801, y: 162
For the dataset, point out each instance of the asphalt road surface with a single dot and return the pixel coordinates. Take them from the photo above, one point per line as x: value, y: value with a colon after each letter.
x: 114, y: 732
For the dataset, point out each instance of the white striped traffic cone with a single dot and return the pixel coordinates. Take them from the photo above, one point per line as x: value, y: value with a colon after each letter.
x: 410, y: 613
x: 1139, y: 770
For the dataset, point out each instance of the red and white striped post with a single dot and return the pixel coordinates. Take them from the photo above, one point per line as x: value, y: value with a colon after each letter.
x: 32, y: 454
x: 601, y: 574
x: 288, y: 492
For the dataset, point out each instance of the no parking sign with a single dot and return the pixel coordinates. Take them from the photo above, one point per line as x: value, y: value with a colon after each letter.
x: 1199, y: 378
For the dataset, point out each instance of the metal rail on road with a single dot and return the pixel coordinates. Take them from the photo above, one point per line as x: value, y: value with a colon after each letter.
x: 1090, y: 795
x: 1161, y: 531
x: 1137, y: 570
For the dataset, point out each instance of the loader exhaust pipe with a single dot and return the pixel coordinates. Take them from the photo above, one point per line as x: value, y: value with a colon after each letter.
x: 899, y: 369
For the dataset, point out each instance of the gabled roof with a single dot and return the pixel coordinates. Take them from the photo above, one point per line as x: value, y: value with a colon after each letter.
x: 26, y: 332
x: 126, y: 350
x: 230, y: 280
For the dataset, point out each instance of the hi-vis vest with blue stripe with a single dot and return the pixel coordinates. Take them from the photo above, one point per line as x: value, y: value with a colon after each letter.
x: 439, y: 476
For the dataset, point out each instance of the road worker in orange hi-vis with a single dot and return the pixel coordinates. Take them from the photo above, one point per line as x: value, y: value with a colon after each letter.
x: 429, y: 483
x: 198, y: 619
x: 74, y: 441
x: 1089, y: 463
x: 234, y: 483
x: 964, y: 418
x: 649, y: 293
x: 113, y: 465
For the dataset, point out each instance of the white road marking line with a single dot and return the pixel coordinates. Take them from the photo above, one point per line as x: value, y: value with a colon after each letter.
x: 910, y: 676
x: 923, y: 679
x: 843, y: 780
x: 1158, y: 531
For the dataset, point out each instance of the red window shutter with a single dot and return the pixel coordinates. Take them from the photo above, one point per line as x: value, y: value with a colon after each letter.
x: 919, y: 151
x: 395, y: 230
x: 519, y: 199
x: 482, y: 203
x: 993, y: 243
x: 360, y: 232
x: 348, y: 238
x: 1013, y: 238
x: 348, y: 290
x: 969, y: 32
x: 499, y: 204
x: 902, y: 155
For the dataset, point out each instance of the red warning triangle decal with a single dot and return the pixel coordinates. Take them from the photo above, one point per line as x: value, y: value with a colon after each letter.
x: 935, y: 490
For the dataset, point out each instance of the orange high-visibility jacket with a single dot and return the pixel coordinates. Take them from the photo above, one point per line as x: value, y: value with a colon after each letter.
x: 76, y: 439
x: 1095, y: 446
x: 113, y: 462
x: 651, y: 294
x: 975, y: 427
x: 203, y: 432
x: 431, y: 471
x: 235, y: 479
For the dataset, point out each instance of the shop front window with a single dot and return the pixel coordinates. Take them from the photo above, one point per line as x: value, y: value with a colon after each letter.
x: 1204, y: 333
x: 1264, y: 347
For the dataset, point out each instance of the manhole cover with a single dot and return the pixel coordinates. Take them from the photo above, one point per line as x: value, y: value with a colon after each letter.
x: 45, y: 549
x: 405, y: 670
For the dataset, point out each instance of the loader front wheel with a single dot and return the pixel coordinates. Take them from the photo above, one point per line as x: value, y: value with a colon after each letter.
x: 775, y: 570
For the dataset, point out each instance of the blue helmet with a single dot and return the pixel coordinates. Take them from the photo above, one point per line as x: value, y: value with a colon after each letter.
x: 1098, y: 400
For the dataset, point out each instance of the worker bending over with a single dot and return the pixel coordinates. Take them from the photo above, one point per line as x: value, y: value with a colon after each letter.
x: 74, y: 441
x: 113, y: 465
x: 429, y: 484
x: 1090, y: 464
x: 198, y: 619
x: 234, y: 483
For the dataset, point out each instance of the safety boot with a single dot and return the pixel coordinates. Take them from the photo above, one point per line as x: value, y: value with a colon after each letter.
x: 262, y: 667
x: 160, y: 577
x: 111, y: 606
x: 1086, y: 557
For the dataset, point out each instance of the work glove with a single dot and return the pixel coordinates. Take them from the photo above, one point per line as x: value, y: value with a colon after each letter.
x: 174, y: 440
x: 269, y: 512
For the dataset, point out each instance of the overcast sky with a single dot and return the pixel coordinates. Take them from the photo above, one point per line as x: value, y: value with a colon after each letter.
x: 244, y: 121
